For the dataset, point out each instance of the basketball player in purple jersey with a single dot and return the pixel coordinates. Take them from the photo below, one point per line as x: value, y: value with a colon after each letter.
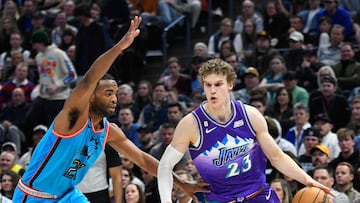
x: 228, y: 142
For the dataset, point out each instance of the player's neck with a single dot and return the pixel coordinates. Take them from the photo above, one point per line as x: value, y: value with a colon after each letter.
x: 220, y: 113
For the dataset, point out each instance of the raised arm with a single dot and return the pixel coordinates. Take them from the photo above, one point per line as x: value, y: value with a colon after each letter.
x: 77, y: 105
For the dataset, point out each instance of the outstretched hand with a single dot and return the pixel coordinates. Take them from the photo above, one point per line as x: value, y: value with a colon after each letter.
x: 313, y: 183
x: 190, y: 188
x: 130, y: 35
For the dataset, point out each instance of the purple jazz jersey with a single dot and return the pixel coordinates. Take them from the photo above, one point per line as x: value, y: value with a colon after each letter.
x: 228, y: 155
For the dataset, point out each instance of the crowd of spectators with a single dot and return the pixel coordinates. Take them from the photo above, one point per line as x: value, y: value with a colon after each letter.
x: 296, y: 62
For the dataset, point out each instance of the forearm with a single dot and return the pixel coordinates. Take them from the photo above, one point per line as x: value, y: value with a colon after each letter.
x: 288, y: 167
x: 116, y: 183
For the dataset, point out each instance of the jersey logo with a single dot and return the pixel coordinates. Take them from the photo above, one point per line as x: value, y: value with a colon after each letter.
x: 207, y: 130
x: 72, y: 171
x: 238, y: 123
x: 267, y: 197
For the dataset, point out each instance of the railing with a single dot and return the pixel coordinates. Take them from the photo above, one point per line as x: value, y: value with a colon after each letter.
x: 187, y: 22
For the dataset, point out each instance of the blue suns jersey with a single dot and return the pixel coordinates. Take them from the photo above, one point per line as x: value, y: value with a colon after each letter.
x: 228, y: 156
x: 60, y: 162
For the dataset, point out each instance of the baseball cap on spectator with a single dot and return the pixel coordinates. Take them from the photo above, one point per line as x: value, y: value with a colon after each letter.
x: 290, y: 75
x: 322, y: 117
x: 144, y: 128
x: 329, y: 79
x: 296, y: 36
x: 321, y: 148
x: 312, y: 132
x: 329, y: 1
x: 40, y: 128
x: 251, y: 71
x: 8, y: 146
x: 263, y: 35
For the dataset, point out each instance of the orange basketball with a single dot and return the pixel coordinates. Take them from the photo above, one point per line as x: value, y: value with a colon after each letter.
x: 310, y: 195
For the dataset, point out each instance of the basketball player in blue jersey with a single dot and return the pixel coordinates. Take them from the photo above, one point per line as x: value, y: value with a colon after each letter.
x: 228, y: 142
x: 78, y: 134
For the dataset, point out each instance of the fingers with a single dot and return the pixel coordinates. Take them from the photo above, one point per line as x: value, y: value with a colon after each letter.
x: 332, y: 194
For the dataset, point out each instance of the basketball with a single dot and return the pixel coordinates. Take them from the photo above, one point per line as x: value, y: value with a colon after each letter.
x: 310, y: 195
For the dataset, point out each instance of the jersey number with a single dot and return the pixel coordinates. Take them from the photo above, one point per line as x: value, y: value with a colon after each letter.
x: 234, y: 170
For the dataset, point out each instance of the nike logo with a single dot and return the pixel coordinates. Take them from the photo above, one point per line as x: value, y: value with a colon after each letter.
x: 267, y: 197
x: 210, y: 130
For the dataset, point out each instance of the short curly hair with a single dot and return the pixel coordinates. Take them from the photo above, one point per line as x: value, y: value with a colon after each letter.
x: 219, y: 67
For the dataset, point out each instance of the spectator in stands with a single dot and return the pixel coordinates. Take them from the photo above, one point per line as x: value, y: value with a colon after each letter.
x: 273, y: 80
x: 225, y: 32
x: 344, y: 176
x: 69, y: 7
x: 328, y: 138
x: 330, y: 55
x: 295, y: 55
x: 295, y: 134
x: 16, y: 41
x: 282, y: 109
x: 248, y: 36
x: 12, y: 118
x: 127, y: 177
x: 16, y: 59
x: 324, y: 71
x: 348, y: 152
x: 276, y: 23
x: 20, y: 80
x: 68, y: 38
x: 89, y: 31
x: 306, y: 72
x: 24, y: 22
x: 298, y: 93
x: 60, y: 26
x: 56, y: 73
x: 226, y: 48
x: 134, y: 193
x: 200, y: 49
x: 325, y: 175
x: 9, y: 180
x: 8, y: 25
x: 338, y: 16
x: 8, y: 163
x: 320, y: 155
x: 37, y: 22
x: 297, y: 25
x: 251, y: 79
x: 146, y: 138
x: 142, y: 96
x: 354, y: 123
x: 155, y: 113
x: 282, y: 190
x: 309, y: 19
x: 127, y: 125
x: 325, y: 25
x: 126, y: 100
x: 311, y: 139
x: 166, y: 134
x: 176, y: 79
x: 239, y: 68
x: 248, y: 12
x: 348, y: 70
x: 330, y: 103
x: 175, y: 112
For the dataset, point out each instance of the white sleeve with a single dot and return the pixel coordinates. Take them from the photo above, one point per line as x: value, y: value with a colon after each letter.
x: 168, y: 160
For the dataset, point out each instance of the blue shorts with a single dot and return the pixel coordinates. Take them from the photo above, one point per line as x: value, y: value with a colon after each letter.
x: 72, y: 196
x: 268, y: 195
